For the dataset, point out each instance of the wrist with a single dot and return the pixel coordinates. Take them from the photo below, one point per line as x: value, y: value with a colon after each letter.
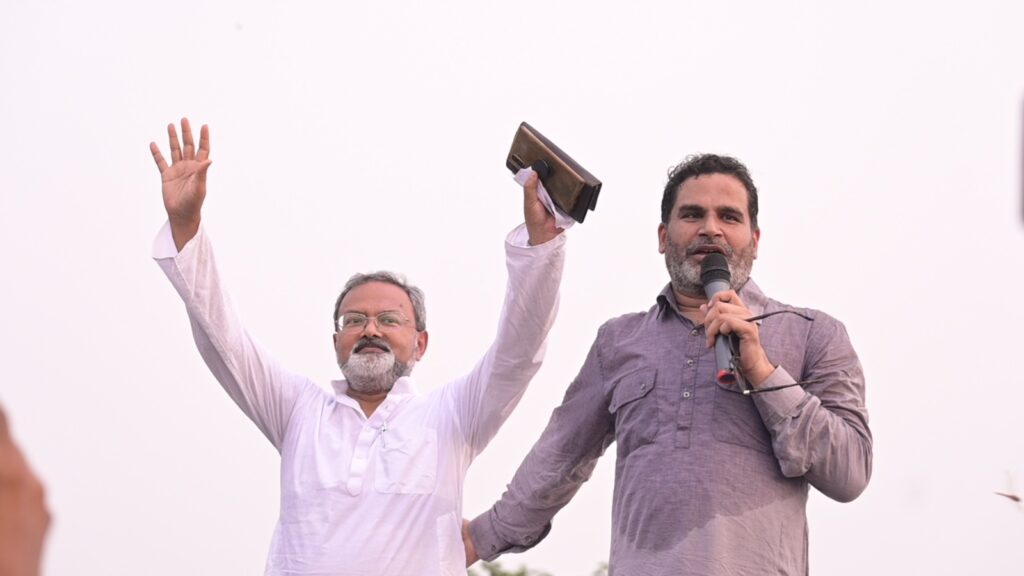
x: 760, y: 372
x: 183, y: 230
x: 538, y: 237
x: 184, y: 220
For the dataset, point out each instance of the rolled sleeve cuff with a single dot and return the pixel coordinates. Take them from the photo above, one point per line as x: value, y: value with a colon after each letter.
x: 163, y: 243
x: 777, y: 405
x: 519, y: 239
x: 489, y: 544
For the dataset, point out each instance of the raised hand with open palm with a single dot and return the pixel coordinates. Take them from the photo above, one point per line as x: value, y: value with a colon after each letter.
x: 184, y: 180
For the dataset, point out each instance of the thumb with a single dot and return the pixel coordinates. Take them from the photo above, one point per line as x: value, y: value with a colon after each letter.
x: 530, y: 186
x: 203, y: 167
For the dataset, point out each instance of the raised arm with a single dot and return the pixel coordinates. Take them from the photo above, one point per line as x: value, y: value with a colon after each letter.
x: 540, y: 224
x: 184, y: 180
x: 258, y: 385
x: 535, y: 254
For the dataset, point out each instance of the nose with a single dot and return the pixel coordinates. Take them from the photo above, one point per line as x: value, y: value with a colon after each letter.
x: 710, y: 226
x: 371, y: 328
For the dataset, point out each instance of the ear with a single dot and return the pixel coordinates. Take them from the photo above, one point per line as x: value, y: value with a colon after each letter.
x: 662, y: 235
x: 757, y: 240
x: 421, y: 344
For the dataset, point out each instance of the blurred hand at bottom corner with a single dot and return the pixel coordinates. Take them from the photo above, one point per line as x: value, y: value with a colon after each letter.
x: 24, y: 518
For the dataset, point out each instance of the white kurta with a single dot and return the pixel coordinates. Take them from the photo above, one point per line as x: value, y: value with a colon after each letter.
x: 379, y: 495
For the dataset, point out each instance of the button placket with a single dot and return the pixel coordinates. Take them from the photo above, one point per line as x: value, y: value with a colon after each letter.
x: 688, y: 375
x: 360, y: 459
x: 373, y: 428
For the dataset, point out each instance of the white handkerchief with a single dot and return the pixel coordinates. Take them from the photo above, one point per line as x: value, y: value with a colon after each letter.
x: 562, y: 220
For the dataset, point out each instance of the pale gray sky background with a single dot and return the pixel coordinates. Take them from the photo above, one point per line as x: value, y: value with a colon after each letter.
x: 885, y: 138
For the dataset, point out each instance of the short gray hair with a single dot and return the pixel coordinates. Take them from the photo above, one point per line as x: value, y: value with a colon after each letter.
x: 419, y: 307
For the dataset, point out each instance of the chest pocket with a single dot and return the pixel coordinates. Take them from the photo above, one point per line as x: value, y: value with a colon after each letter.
x: 737, y: 420
x: 407, y: 461
x: 635, y: 410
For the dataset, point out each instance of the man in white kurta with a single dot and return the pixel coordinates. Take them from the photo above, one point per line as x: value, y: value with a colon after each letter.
x: 370, y: 484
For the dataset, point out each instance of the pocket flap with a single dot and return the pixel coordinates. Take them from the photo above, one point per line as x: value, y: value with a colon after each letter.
x: 631, y: 387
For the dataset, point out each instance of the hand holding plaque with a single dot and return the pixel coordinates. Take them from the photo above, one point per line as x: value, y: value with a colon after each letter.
x: 573, y: 189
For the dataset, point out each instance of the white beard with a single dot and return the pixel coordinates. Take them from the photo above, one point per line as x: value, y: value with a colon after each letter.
x: 374, y: 373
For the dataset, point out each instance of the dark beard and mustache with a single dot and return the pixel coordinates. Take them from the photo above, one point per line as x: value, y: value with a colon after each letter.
x: 685, y: 272
x: 374, y: 373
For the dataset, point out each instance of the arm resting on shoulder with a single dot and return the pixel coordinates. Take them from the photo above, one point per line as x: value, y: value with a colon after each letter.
x: 564, y: 457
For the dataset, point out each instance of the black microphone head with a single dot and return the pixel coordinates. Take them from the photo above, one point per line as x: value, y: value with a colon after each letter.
x: 714, y: 267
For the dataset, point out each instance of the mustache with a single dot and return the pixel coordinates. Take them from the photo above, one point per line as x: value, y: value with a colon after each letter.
x: 701, y: 246
x: 366, y: 342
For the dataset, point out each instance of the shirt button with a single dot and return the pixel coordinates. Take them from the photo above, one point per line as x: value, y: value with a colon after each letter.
x: 643, y: 386
x: 694, y: 332
x: 686, y: 394
x: 689, y: 361
x: 528, y: 539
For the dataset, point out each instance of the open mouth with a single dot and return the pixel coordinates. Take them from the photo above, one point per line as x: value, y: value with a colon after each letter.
x: 706, y: 249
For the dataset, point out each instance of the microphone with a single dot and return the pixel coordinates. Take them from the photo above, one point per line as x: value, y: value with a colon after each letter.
x: 715, y: 276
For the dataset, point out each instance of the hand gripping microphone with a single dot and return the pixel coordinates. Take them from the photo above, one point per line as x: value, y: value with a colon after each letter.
x: 715, y: 276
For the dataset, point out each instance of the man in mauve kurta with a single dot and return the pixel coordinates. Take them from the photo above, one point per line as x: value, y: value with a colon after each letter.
x: 709, y: 479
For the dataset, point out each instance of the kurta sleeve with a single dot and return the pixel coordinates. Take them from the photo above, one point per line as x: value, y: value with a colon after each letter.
x: 564, y: 457
x: 264, y: 391
x: 820, y: 430
x: 483, y: 399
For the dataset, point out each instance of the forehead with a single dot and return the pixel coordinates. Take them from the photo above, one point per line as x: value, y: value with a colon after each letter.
x: 712, y: 191
x: 375, y: 297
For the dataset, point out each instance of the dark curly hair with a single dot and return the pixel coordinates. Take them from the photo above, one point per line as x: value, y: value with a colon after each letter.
x: 699, y: 165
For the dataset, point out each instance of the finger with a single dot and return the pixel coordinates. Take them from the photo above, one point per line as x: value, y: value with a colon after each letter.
x: 725, y: 326
x: 725, y: 296
x: 735, y: 300
x: 204, y: 143
x: 530, y: 188
x: 735, y: 310
x: 709, y: 318
x: 172, y: 137
x: 711, y: 330
x: 186, y: 134
x: 729, y: 297
x: 161, y: 164
x: 201, y: 172
x: 711, y: 326
x: 721, y: 326
x: 723, y: 307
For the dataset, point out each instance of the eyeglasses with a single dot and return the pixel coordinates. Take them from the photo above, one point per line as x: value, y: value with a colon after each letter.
x: 357, y: 321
